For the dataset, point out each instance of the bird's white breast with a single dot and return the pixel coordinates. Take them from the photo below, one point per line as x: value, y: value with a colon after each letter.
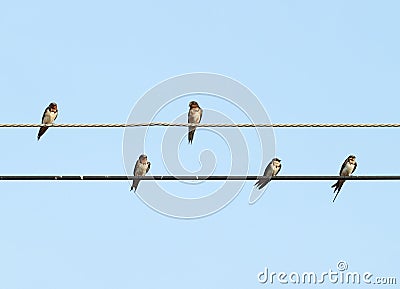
x: 49, y: 117
x: 275, y: 170
x: 141, y: 169
x: 348, y: 169
x: 194, y: 115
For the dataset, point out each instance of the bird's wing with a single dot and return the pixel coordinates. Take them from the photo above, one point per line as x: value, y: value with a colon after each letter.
x: 189, y: 116
x: 355, y: 166
x: 44, y: 114
x: 148, y: 167
x: 343, y: 166
x: 268, y: 170
x: 136, y: 168
x: 201, y: 113
x: 280, y: 166
x: 261, y: 183
x: 56, y: 115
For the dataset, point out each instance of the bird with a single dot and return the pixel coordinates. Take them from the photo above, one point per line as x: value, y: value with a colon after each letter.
x: 142, y: 167
x: 49, y: 116
x: 194, y: 116
x: 348, y: 167
x: 271, y: 170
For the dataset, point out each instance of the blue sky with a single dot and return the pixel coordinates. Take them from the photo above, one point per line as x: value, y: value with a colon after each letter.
x: 307, y: 61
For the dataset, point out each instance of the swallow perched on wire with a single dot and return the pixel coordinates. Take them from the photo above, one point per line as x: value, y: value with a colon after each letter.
x: 49, y: 116
x: 142, y: 167
x: 271, y: 170
x: 194, y: 116
x: 348, y: 167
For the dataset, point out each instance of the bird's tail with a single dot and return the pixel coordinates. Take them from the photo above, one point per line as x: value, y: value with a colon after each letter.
x: 191, y: 134
x: 42, y: 130
x: 261, y: 184
x: 135, y: 184
x: 338, y: 186
x: 335, y: 196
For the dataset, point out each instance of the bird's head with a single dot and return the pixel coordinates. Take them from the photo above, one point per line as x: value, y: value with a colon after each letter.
x: 53, y: 106
x: 276, y: 162
x: 351, y: 159
x: 143, y: 159
x: 193, y: 104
